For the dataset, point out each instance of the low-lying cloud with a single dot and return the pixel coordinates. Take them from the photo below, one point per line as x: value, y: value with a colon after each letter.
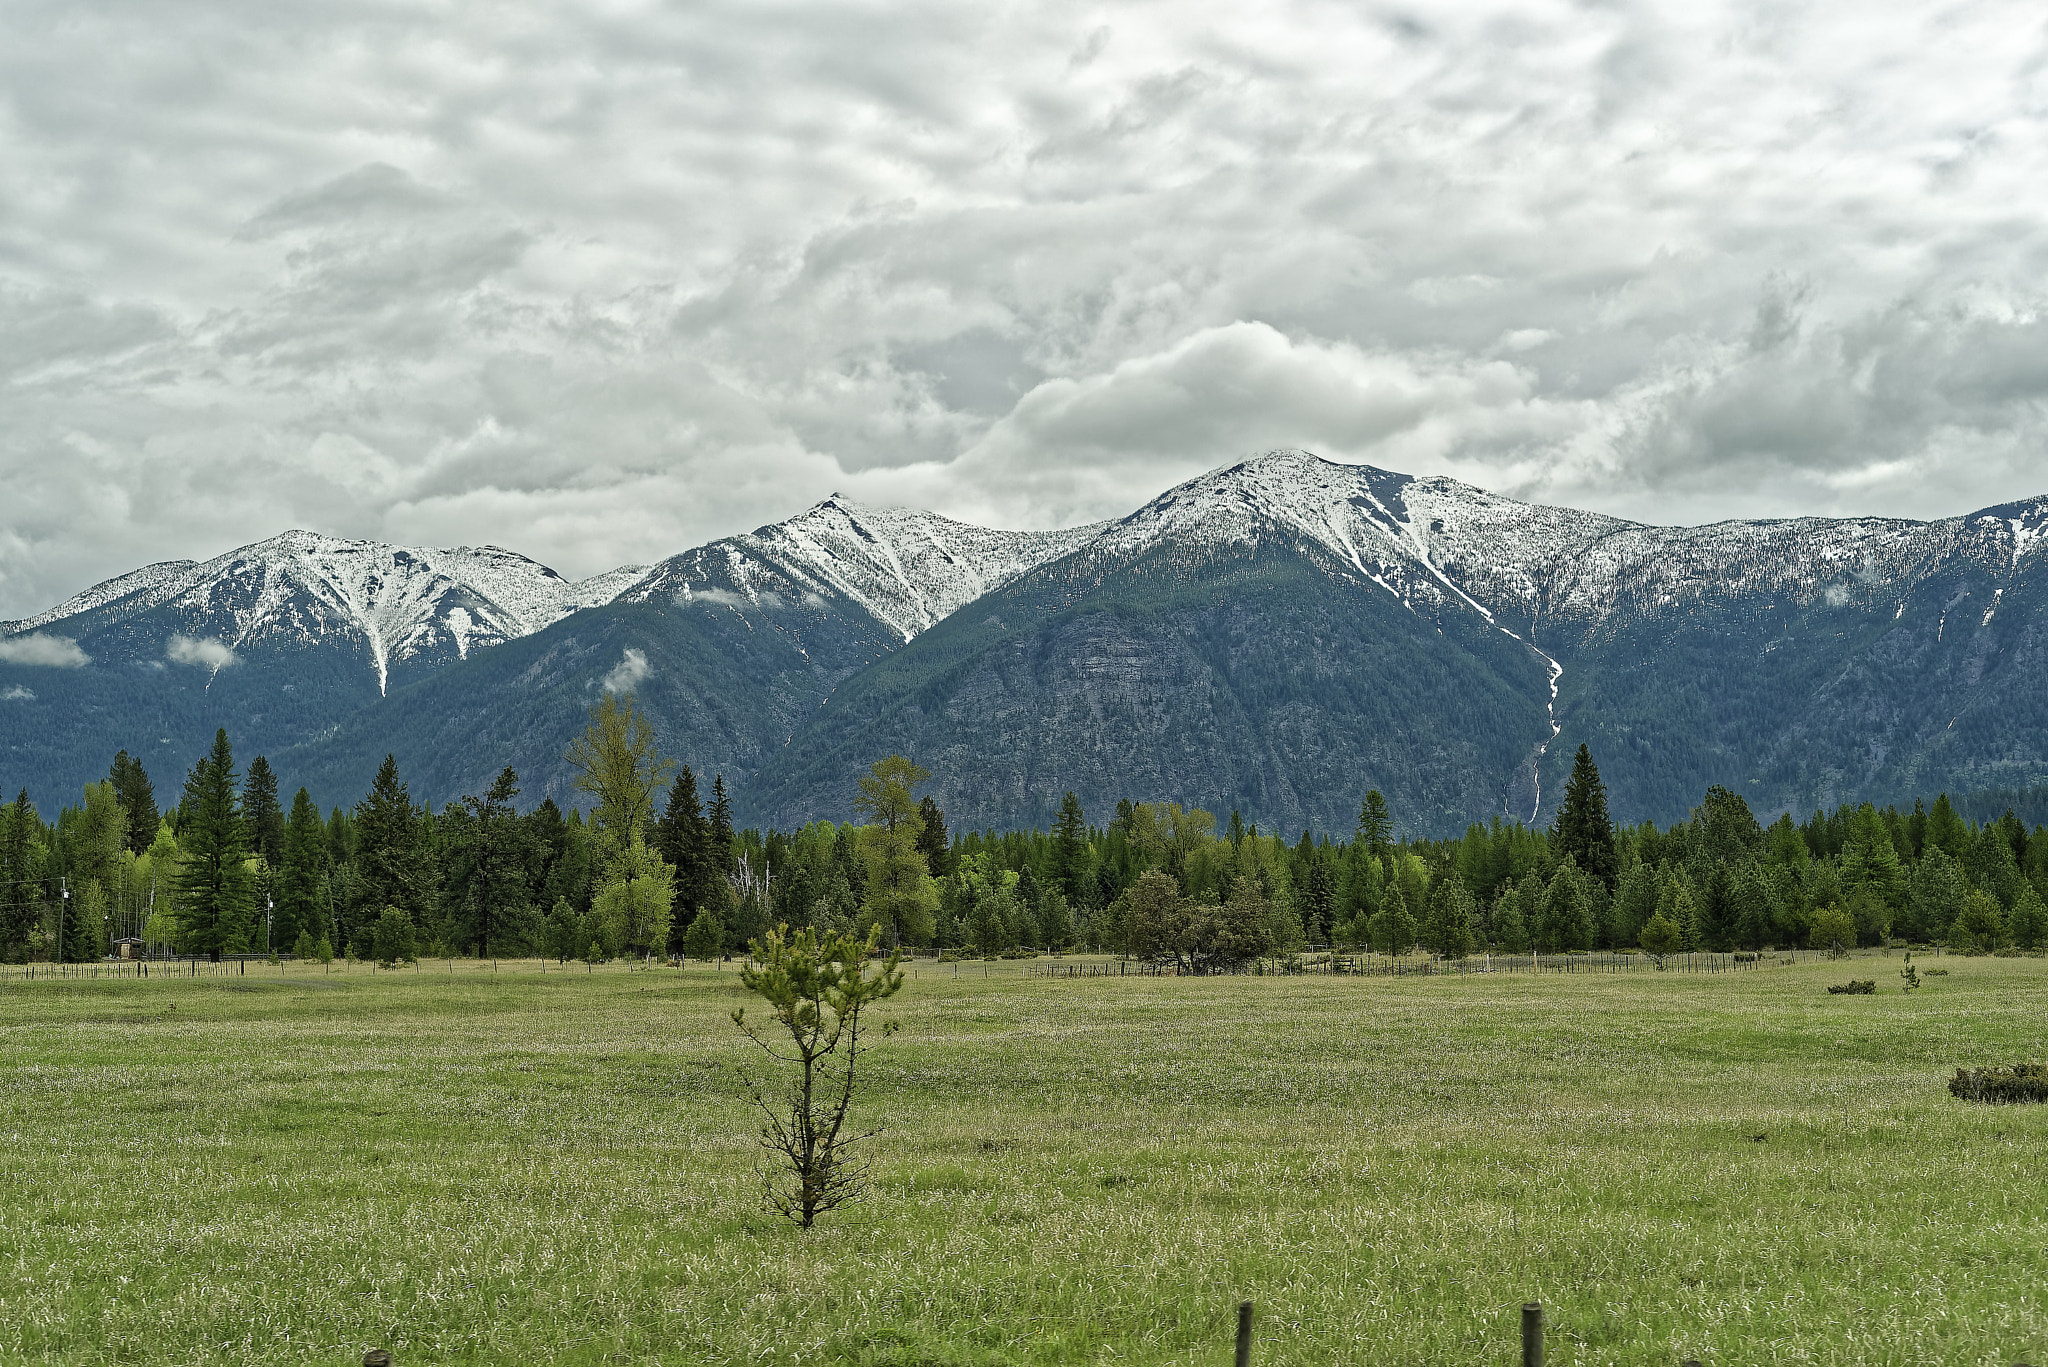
x: 205, y: 651
x: 630, y: 672
x: 17, y: 694
x: 59, y: 652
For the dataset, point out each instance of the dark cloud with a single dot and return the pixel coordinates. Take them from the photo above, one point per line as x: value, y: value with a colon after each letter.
x: 599, y: 282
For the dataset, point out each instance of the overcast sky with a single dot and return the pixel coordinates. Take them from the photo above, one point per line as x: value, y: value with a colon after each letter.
x: 600, y: 281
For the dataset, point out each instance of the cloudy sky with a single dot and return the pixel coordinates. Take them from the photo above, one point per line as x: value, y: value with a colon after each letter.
x: 600, y: 281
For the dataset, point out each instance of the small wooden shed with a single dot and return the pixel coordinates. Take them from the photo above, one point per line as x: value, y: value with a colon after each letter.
x: 128, y: 947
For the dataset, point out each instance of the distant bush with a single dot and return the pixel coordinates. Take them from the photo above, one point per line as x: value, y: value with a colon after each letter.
x: 1856, y: 987
x: 1934, y: 973
x: 2001, y: 1086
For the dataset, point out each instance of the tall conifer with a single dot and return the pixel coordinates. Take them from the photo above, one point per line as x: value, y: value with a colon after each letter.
x: 261, y: 811
x: 301, y: 873
x: 1584, y: 831
x: 387, y: 856
x: 1375, y: 827
x: 138, y: 800
x: 937, y: 848
x: 216, y: 900
x: 718, y: 836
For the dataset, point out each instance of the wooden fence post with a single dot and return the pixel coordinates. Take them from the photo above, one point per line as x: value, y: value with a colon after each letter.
x: 1244, y: 1334
x: 1532, y: 1334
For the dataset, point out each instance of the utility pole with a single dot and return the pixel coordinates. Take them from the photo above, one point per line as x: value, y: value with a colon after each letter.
x: 63, y: 903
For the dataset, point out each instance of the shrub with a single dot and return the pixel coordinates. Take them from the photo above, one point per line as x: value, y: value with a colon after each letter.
x: 1856, y: 987
x: 2001, y: 1086
x: 1834, y: 930
x: 392, y: 938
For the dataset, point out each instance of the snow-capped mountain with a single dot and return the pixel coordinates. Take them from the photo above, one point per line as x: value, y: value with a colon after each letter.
x: 1558, y: 570
x: 905, y: 568
x: 1276, y: 635
x: 400, y: 604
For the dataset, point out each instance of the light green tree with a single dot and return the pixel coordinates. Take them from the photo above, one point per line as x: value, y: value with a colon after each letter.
x: 901, y: 892
x: 1834, y: 929
x: 392, y: 941
x: 637, y: 898
x: 1661, y: 939
x: 818, y: 992
x: 617, y: 763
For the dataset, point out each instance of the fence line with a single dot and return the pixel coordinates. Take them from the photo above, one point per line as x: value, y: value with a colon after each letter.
x: 1384, y: 966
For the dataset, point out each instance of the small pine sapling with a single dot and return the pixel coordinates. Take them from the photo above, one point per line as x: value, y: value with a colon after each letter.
x: 818, y: 990
x: 1910, y: 973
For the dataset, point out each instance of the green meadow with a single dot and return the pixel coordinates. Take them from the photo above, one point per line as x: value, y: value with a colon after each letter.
x: 467, y: 1166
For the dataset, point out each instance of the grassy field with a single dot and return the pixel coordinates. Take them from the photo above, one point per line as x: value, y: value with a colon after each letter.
x: 516, y: 1168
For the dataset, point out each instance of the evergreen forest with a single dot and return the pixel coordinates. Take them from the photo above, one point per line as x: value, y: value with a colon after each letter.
x: 228, y: 866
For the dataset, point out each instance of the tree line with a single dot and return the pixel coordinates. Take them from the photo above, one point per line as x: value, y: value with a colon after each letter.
x: 657, y: 868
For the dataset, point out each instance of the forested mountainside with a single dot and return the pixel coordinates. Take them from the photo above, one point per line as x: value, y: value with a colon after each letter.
x: 1275, y: 636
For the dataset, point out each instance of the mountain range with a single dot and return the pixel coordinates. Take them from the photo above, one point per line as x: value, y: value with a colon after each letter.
x: 1276, y: 637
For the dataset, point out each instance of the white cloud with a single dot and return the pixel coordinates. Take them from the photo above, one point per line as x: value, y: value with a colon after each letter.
x: 205, y: 651
x: 631, y: 671
x: 38, y: 648
x: 17, y: 694
x: 613, y: 281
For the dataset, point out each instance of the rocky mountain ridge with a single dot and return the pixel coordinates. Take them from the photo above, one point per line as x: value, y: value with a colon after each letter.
x: 1802, y: 659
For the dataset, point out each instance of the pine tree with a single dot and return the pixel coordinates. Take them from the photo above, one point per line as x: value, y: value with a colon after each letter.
x: 1564, y: 922
x: 215, y: 895
x: 2029, y: 921
x: 387, y: 856
x: 1069, y: 848
x: 138, y: 800
x: 1055, y: 921
x: 1636, y: 904
x: 718, y: 831
x: 262, y: 813
x: 1754, y: 917
x: 21, y: 902
x: 1991, y: 865
x: 1450, y: 919
x: 1375, y: 827
x: 681, y: 836
x: 1510, y: 927
x: 932, y: 841
x: 1393, y: 928
x: 1946, y: 832
x: 1870, y: 861
x: 1935, y: 895
x: 705, y: 938
x: 1316, y: 899
x: 497, y: 882
x: 1584, y: 831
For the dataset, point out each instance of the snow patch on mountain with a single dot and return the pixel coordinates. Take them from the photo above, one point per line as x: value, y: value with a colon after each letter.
x: 907, y: 569
x: 160, y: 579
x: 402, y: 602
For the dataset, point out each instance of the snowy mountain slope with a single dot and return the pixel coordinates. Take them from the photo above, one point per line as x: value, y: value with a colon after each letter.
x: 1284, y: 631
x: 396, y: 604
x: 145, y: 587
x: 906, y: 569
x: 1276, y: 634
x: 1526, y: 565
